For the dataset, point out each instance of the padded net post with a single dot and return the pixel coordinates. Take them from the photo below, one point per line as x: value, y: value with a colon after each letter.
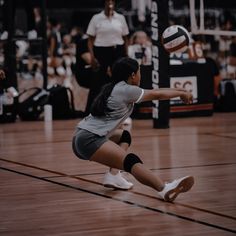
x: 160, y: 59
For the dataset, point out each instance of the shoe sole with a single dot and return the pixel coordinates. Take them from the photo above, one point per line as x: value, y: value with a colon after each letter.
x: 184, y: 186
x: 116, y: 187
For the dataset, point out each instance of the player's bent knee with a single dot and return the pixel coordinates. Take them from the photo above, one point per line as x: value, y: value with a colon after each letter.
x: 130, y: 160
x: 125, y: 137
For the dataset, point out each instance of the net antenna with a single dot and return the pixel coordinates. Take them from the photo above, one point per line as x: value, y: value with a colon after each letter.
x: 195, y: 29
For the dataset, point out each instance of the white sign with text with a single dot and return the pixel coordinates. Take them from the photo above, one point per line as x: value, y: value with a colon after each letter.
x: 186, y: 82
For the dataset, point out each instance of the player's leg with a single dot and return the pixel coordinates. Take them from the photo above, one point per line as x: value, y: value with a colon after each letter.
x: 114, y: 156
x: 114, y: 178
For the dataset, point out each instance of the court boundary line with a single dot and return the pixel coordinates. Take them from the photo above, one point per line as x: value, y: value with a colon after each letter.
x: 157, y: 169
x: 185, y: 134
x: 124, y: 201
x: 98, y: 183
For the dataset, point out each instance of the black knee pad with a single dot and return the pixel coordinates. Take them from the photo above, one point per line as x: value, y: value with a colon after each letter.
x: 130, y: 160
x: 125, y: 137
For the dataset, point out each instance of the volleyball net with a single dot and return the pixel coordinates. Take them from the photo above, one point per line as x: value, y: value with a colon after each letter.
x: 202, y: 17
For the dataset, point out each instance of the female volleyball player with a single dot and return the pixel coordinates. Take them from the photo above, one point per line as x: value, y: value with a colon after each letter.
x: 98, y: 139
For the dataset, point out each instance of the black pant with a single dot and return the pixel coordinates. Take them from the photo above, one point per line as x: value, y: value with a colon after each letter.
x: 106, y: 56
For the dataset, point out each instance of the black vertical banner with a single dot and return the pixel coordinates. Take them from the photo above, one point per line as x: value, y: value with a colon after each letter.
x: 160, y: 59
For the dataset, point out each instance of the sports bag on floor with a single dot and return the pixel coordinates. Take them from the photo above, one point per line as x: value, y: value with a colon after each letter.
x: 31, y: 103
x: 62, y: 100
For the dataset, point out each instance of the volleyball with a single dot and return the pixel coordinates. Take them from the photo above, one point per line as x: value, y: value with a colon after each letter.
x: 175, y: 39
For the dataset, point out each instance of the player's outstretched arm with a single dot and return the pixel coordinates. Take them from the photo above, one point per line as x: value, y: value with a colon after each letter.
x: 166, y: 94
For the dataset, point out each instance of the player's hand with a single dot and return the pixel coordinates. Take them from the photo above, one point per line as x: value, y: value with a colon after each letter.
x: 94, y: 63
x: 2, y: 74
x: 187, y: 97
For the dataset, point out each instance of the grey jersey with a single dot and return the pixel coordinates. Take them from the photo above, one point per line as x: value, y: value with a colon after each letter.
x: 120, y: 104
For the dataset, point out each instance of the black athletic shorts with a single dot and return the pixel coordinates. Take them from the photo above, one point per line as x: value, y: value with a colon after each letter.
x: 85, y: 143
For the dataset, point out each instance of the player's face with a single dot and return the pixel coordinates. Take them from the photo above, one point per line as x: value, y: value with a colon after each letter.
x: 136, y: 77
x: 110, y: 4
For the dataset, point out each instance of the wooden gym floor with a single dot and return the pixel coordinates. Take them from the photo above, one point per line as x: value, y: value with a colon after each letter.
x: 46, y: 190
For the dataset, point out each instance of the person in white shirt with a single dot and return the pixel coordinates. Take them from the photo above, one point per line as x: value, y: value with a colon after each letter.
x: 107, y: 33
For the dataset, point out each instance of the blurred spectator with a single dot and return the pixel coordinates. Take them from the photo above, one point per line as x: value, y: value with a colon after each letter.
x: 55, y: 42
x: 68, y: 57
x: 141, y: 48
x: 83, y: 68
x: 225, y: 41
x: 107, y: 32
x: 3, y: 81
x: 55, y: 69
x: 68, y: 47
x: 231, y: 68
x: 142, y: 7
x: 224, y: 46
x: 38, y: 21
x: 76, y: 34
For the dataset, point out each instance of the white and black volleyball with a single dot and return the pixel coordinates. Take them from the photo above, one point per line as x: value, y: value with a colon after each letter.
x: 175, y: 39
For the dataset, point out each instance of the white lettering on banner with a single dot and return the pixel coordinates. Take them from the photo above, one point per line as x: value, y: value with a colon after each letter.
x: 155, y: 56
x: 155, y: 51
x: 154, y: 20
x: 155, y: 34
x: 155, y: 64
x: 155, y: 113
x: 186, y: 82
x: 154, y: 6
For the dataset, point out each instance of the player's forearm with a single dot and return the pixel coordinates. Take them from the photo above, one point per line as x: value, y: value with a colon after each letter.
x: 162, y: 94
x: 90, y: 45
x: 166, y: 94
